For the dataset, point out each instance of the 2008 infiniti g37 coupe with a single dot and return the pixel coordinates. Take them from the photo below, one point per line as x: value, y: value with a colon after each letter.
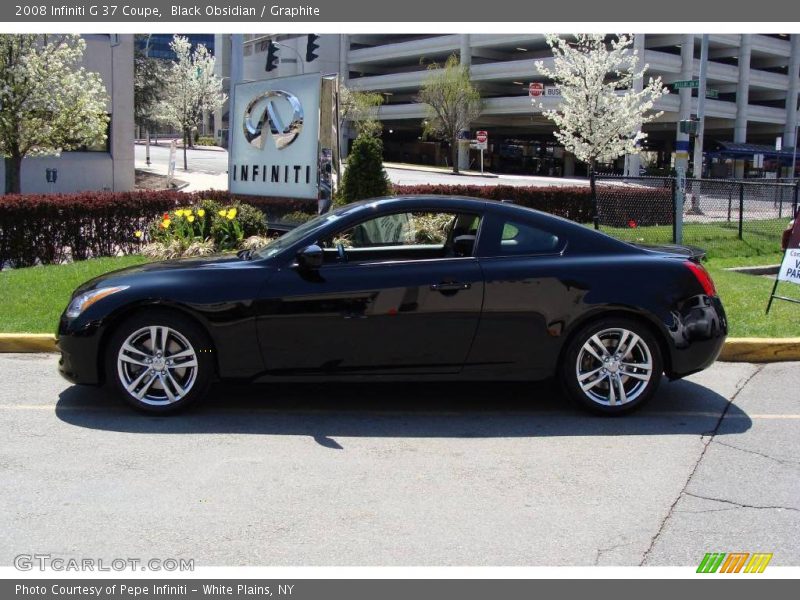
x: 413, y: 288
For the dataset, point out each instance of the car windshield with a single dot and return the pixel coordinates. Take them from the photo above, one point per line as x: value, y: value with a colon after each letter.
x: 309, y: 227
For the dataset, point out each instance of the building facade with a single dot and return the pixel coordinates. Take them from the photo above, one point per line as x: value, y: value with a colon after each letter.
x: 110, y: 165
x: 754, y: 80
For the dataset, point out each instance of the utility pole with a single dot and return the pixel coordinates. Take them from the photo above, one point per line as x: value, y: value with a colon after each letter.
x: 701, y: 109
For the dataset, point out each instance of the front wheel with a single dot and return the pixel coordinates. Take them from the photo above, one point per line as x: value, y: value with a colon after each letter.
x: 160, y: 362
x: 612, y: 366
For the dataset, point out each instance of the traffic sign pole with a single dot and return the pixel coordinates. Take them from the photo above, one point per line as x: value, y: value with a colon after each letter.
x: 482, y: 139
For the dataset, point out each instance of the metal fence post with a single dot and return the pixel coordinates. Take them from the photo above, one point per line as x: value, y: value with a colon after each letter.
x: 794, y: 202
x: 674, y: 189
x: 680, y: 198
x: 741, y: 207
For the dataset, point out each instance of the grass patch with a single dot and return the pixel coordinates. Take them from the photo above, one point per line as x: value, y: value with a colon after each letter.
x: 32, y: 299
x: 720, y: 240
x: 745, y: 299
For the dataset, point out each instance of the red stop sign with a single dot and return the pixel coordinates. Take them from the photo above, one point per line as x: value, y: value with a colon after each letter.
x: 481, y: 136
x: 535, y: 89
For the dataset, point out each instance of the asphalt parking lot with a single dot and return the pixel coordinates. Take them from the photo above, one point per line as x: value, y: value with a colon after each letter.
x: 402, y: 474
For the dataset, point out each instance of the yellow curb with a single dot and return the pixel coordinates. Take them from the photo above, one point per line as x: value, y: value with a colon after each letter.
x: 27, y: 342
x: 760, y: 350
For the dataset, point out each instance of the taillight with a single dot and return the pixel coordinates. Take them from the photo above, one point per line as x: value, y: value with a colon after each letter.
x: 703, y: 278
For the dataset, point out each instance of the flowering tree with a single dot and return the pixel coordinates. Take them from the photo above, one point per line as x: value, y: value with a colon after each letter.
x: 453, y: 102
x: 192, y: 88
x: 48, y: 103
x: 601, y: 114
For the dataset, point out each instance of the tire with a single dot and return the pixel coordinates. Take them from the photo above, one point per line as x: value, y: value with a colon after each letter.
x: 171, y: 378
x: 603, y: 381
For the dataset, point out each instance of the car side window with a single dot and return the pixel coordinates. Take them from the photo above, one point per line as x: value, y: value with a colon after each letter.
x: 405, y: 236
x: 519, y: 239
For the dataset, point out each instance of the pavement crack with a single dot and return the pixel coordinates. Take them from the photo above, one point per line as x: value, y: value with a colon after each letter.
x: 740, y: 504
x: 706, y: 439
x: 783, y: 461
x: 602, y: 551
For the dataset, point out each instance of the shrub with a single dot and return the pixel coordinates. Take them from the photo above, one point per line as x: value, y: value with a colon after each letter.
x: 298, y: 217
x: 618, y: 205
x: 570, y: 202
x: 364, y: 176
x: 252, y: 220
x: 206, y: 140
x: 53, y: 228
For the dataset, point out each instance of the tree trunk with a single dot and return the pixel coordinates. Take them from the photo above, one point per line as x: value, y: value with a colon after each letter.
x: 593, y: 188
x: 454, y: 153
x: 185, y: 142
x: 13, y: 174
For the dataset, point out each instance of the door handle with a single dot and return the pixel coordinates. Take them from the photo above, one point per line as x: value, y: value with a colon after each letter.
x: 450, y: 286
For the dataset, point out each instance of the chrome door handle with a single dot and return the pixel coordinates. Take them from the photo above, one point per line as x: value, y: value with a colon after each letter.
x: 450, y: 286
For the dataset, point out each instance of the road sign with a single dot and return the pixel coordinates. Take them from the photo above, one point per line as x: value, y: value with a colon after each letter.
x: 535, y: 89
x: 712, y: 93
x: 482, y: 137
x: 552, y: 90
x: 686, y: 83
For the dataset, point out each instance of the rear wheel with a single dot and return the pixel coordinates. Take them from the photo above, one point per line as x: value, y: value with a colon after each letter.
x: 159, y: 361
x: 612, y: 366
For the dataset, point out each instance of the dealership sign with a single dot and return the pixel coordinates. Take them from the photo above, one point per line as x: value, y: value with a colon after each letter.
x: 274, y: 146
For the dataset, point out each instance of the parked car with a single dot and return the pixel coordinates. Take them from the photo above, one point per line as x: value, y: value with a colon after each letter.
x: 403, y: 289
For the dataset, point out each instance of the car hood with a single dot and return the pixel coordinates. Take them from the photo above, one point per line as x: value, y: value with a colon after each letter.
x: 138, y: 273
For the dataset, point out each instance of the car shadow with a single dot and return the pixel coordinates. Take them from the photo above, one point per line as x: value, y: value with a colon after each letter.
x: 448, y: 410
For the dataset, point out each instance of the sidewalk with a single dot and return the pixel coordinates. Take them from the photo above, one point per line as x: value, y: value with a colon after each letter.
x: 197, y: 180
x: 433, y: 169
x: 165, y: 142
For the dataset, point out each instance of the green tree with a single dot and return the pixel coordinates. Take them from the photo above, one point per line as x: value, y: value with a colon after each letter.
x: 364, y: 176
x: 48, y: 102
x: 361, y: 109
x: 149, y: 87
x: 453, y: 103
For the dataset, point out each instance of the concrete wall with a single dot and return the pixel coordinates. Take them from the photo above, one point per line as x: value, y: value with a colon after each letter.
x: 112, y: 58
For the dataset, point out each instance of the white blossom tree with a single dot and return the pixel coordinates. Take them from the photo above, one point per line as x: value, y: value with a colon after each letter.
x: 192, y: 88
x: 48, y: 102
x: 601, y: 114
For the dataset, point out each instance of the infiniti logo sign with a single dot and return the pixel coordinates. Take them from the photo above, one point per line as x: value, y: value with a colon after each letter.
x: 282, y: 135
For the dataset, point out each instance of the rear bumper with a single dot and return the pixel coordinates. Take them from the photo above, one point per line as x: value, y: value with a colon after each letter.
x: 79, y: 353
x: 698, y: 333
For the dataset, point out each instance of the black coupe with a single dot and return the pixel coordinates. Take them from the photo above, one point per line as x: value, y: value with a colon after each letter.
x: 404, y: 289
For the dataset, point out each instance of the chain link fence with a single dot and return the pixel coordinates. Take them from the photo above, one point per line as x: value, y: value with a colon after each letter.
x: 722, y: 216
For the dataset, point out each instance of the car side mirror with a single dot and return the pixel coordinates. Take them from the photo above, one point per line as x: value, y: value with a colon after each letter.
x: 310, y: 258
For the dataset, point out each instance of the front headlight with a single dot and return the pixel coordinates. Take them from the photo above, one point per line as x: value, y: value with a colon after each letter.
x: 83, y: 301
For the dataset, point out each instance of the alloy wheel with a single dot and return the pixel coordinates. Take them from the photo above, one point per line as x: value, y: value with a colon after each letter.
x: 614, y: 367
x: 157, y: 365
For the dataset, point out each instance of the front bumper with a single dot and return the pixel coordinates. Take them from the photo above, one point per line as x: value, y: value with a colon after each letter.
x: 79, y: 348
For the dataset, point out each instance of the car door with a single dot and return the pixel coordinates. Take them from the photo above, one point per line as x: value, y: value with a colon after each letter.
x: 526, y: 298
x: 391, y: 308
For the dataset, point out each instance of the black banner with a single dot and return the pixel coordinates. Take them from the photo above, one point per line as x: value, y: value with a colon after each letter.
x: 318, y: 11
